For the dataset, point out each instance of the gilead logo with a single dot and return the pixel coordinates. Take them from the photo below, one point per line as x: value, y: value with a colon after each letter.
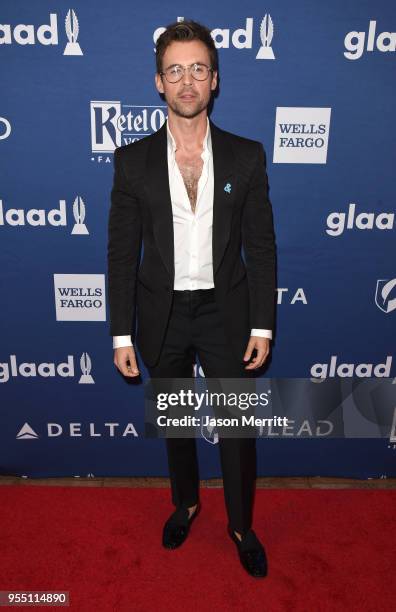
x: 337, y: 222
x: 344, y: 370
x: 384, y: 294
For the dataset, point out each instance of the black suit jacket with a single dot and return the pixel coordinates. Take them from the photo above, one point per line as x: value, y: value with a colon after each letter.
x: 141, y: 210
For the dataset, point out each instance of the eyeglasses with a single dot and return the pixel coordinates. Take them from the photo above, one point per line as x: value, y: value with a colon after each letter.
x: 199, y: 72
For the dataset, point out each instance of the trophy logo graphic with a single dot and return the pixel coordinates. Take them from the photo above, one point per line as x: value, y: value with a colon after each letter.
x: 79, y: 216
x: 86, y: 366
x: 382, y: 292
x: 266, y: 35
x: 210, y: 434
x: 72, y: 30
x: 392, y: 437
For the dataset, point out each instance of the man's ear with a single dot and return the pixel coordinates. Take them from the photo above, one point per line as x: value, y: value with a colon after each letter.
x: 214, y: 81
x: 158, y: 83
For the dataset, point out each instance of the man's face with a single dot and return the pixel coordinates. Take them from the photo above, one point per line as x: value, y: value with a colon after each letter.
x: 188, y: 97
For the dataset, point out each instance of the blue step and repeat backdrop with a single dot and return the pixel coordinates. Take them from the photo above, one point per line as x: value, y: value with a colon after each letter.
x: 315, y: 83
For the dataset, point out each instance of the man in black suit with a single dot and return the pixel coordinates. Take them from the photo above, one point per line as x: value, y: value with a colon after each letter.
x: 194, y: 193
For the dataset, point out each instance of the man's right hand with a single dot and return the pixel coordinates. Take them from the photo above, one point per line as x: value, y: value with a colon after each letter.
x: 122, y: 356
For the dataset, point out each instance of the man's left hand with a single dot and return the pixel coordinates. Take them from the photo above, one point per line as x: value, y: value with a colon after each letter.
x: 262, y: 347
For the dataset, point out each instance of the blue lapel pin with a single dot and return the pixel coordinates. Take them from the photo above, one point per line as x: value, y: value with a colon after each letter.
x: 227, y: 188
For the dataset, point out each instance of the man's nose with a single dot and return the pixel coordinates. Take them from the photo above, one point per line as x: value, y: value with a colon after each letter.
x: 187, y: 78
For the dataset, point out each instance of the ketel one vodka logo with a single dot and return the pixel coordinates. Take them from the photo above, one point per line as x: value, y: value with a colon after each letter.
x: 72, y: 29
x: 114, y: 124
x: 383, y: 295
x: 266, y: 36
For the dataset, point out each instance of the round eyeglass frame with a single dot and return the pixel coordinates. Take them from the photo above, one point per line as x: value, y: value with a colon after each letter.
x: 208, y: 68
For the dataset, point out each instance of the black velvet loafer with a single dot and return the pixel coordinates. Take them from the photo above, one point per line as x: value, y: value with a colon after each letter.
x: 177, y: 527
x: 251, y: 553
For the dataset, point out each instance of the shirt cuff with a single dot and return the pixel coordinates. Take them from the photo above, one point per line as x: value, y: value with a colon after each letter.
x: 120, y: 341
x: 263, y: 333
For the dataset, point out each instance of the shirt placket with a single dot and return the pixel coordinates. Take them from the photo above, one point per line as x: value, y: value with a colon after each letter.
x: 195, y: 223
x: 193, y: 263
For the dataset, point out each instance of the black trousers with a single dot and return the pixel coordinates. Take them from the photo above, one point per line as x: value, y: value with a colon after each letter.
x: 195, y: 327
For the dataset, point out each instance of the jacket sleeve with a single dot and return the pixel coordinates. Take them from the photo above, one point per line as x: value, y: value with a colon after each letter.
x: 123, y: 252
x: 258, y: 242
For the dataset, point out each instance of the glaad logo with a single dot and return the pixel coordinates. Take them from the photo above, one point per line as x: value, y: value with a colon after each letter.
x: 80, y: 297
x: 242, y: 38
x: 38, y: 217
x: 301, y: 135
x: 363, y: 221
x: 5, y: 128
x: 73, y: 430
x: 23, y: 34
x: 354, y: 42
x: 344, y: 370
x: 114, y: 124
x: 382, y: 295
x: 47, y: 369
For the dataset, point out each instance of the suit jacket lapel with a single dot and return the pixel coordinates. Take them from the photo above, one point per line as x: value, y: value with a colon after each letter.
x: 159, y: 198
x: 223, y: 199
x: 160, y: 203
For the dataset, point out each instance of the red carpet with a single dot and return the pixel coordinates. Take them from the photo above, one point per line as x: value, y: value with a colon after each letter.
x: 328, y: 550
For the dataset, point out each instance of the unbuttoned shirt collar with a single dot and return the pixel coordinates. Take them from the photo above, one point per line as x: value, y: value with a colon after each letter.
x: 207, y: 144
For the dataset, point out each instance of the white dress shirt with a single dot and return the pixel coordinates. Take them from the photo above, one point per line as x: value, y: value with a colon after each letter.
x: 192, y: 231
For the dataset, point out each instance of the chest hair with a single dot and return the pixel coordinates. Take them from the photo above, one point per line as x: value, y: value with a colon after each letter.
x: 191, y: 170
